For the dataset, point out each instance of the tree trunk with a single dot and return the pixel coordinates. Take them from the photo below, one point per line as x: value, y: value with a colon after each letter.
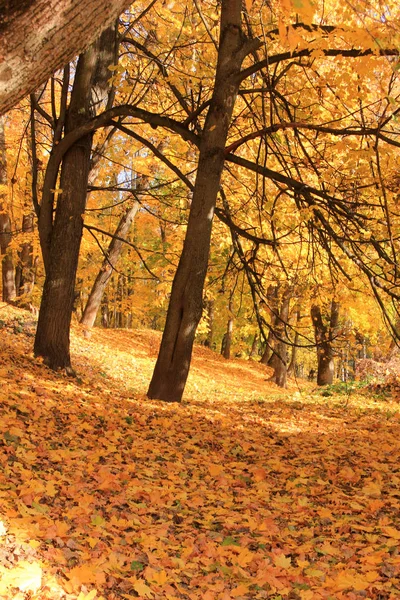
x: 254, y: 346
x: 60, y: 245
x: 281, y: 349
x: 37, y: 37
x: 210, y: 313
x: 324, y: 337
x: 227, y: 340
x: 26, y: 270
x: 185, y: 307
x: 272, y: 298
x: 292, y: 365
x: 109, y: 262
x: 7, y: 264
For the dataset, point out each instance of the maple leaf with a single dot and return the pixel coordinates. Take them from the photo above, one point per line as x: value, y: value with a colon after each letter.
x: 280, y: 560
x: 141, y: 588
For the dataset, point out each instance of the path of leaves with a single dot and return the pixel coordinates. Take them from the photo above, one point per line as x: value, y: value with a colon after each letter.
x: 240, y: 492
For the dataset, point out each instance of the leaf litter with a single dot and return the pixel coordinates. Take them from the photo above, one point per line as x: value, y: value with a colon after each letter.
x: 242, y: 491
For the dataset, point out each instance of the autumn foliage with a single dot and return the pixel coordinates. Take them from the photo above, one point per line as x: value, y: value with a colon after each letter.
x: 243, y: 491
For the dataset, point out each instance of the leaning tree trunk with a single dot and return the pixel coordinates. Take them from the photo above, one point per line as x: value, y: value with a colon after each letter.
x: 37, y: 37
x: 7, y: 264
x: 61, y: 240
x: 185, y: 307
x: 109, y: 262
x: 324, y: 338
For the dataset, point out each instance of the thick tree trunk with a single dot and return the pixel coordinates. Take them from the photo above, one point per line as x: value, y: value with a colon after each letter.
x: 7, y: 264
x: 185, y: 307
x: 324, y: 337
x: 37, y: 37
x: 60, y: 245
x: 109, y: 262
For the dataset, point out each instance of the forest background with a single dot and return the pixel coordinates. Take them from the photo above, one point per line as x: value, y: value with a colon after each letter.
x: 281, y: 119
x: 226, y: 171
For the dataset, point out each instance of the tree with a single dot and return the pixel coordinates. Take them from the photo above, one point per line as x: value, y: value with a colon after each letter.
x: 109, y: 262
x: 61, y: 238
x: 40, y: 36
x: 7, y: 264
x: 325, y: 334
x: 185, y: 308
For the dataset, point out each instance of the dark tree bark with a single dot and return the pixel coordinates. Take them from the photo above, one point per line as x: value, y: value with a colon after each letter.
x: 254, y: 346
x: 109, y: 263
x: 292, y: 366
x: 61, y: 239
x: 281, y: 348
x: 211, y: 325
x: 7, y: 264
x: 324, y: 337
x: 185, y: 307
x: 25, y: 272
x: 272, y: 298
x: 37, y: 37
x: 228, y: 336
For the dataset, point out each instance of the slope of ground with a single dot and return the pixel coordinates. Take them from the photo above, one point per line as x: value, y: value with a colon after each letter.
x: 243, y: 491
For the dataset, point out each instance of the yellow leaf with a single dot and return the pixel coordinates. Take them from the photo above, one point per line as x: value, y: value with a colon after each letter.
x: 372, y: 489
x: 391, y: 532
x: 249, y: 4
x: 27, y: 577
x: 282, y: 561
x: 90, y: 596
x: 92, y: 541
x: 240, y: 590
x: 307, y: 595
x: 160, y: 577
x: 351, y: 579
x: 371, y: 576
x: 315, y: 573
x: 245, y: 557
x: 34, y: 544
x: 142, y: 589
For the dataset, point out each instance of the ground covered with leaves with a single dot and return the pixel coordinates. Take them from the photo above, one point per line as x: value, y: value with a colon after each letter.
x: 242, y: 491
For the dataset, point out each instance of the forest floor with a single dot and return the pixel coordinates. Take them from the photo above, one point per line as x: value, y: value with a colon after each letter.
x: 242, y: 491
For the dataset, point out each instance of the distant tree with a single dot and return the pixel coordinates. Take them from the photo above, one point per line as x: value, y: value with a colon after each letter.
x: 325, y: 327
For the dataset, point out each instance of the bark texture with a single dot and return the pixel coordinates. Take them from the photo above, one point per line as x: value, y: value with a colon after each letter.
x: 324, y: 337
x: 7, y: 263
x: 186, y: 302
x: 37, y: 37
x: 228, y: 336
x: 61, y: 239
x: 109, y: 262
x: 281, y: 349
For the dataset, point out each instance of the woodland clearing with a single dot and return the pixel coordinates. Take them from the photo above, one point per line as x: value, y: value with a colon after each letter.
x: 244, y: 490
